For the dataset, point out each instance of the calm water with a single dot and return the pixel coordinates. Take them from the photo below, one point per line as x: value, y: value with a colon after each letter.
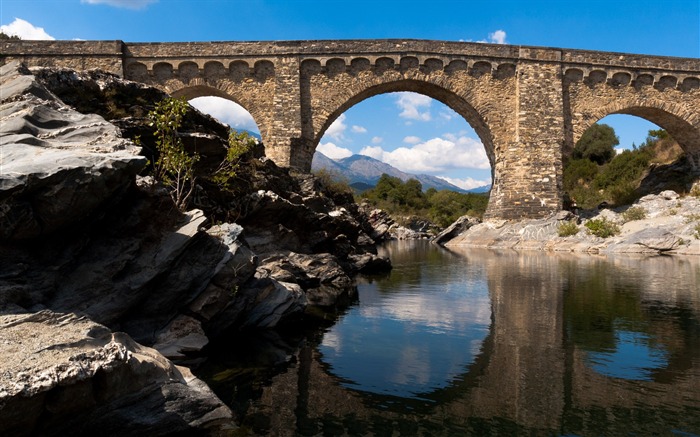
x: 483, y: 343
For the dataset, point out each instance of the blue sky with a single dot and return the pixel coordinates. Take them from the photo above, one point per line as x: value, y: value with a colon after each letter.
x: 406, y: 130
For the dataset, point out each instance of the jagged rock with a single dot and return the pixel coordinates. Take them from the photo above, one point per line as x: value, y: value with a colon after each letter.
x: 460, y: 225
x: 59, y: 166
x: 369, y: 263
x: 658, y: 240
x: 182, y: 336
x: 265, y: 303
x: 69, y: 375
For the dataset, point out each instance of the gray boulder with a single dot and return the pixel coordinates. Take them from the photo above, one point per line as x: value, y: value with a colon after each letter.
x: 69, y: 375
x: 59, y: 166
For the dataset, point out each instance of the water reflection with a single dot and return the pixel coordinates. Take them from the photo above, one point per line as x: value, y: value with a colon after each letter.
x: 415, y: 331
x: 523, y: 343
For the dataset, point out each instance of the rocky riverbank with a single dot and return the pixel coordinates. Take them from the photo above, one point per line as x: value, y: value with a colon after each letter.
x: 103, y: 282
x: 657, y: 223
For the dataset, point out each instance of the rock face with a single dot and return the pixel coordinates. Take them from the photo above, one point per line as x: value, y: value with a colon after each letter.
x: 671, y: 225
x: 96, y: 258
x: 58, y: 166
x: 70, y: 375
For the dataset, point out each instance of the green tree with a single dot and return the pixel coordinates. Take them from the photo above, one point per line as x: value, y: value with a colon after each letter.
x: 174, y: 166
x: 239, y: 143
x: 4, y: 36
x: 597, y: 144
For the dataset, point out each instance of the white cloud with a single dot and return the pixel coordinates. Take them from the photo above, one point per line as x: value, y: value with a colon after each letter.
x: 466, y: 183
x: 25, y: 30
x: 359, y: 129
x: 498, y: 37
x: 433, y: 156
x: 332, y: 151
x: 377, y: 140
x: 129, y: 4
x: 411, y: 105
x: 411, y: 139
x: 226, y: 111
x: 337, y: 128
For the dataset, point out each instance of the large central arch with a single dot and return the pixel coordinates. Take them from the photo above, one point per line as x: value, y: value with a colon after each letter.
x: 449, y: 98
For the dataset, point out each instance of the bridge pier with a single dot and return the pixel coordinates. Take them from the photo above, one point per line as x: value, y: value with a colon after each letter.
x: 528, y: 169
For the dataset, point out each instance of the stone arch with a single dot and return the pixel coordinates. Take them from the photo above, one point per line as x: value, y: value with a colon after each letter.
x: 239, y: 70
x: 264, y: 70
x: 682, y: 124
x: 456, y: 102
x: 187, y: 70
x: 384, y: 64
x: 191, y: 92
x: 358, y: 65
x: 335, y: 66
x: 137, y: 71
x: 162, y: 71
x: 214, y: 70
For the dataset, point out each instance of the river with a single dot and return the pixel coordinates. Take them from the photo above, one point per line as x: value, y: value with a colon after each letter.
x: 479, y: 342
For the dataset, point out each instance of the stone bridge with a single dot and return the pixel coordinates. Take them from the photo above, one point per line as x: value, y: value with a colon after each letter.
x: 529, y: 105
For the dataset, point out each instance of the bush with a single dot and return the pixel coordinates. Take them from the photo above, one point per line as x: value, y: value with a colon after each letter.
x: 334, y: 185
x: 634, y: 213
x: 174, y: 166
x: 603, y: 228
x: 239, y: 143
x: 697, y: 231
x: 567, y: 229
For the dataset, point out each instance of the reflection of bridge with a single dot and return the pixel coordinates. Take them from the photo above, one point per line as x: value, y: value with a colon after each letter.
x: 529, y: 105
x: 532, y: 376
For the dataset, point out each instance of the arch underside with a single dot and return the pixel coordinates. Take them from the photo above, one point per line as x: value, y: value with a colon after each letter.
x: 683, y: 127
x: 449, y: 98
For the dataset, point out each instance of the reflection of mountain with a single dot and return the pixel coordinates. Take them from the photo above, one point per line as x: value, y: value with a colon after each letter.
x: 363, y: 169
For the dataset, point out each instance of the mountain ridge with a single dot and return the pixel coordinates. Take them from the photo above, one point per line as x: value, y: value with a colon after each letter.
x: 366, y: 170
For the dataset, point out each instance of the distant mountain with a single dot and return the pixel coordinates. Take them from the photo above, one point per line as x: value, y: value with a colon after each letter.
x: 480, y: 190
x: 360, y: 169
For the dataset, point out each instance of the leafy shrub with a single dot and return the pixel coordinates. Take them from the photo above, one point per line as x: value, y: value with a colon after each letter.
x: 334, y: 185
x: 696, y: 234
x: 603, y: 228
x: 567, y: 229
x: 597, y: 144
x: 239, y: 143
x: 174, y: 166
x: 634, y: 213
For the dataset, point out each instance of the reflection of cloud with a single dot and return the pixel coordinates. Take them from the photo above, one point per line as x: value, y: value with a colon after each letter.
x: 414, y: 368
x: 226, y: 111
x: 128, y: 4
x: 25, y: 30
x: 334, y: 152
x: 337, y: 128
x: 411, y: 104
x: 443, y: 315
x: 433, y: 156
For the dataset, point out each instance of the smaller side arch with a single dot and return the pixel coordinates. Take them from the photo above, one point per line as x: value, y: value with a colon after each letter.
x: 358, y: 65
x: 137, y: 71
x: 264, y: 70
x: 187, y: 70
x: 384, y: 64
x: 409, y: 63
x: 163, y: 70
x: 214, y: 69
x: 432, y: 65
x: 335, y: 66
x: 239, y: 70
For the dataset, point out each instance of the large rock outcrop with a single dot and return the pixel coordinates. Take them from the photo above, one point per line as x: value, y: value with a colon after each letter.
x: 58, y: 165
x: 88, y: 249
x: 70, y: 376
